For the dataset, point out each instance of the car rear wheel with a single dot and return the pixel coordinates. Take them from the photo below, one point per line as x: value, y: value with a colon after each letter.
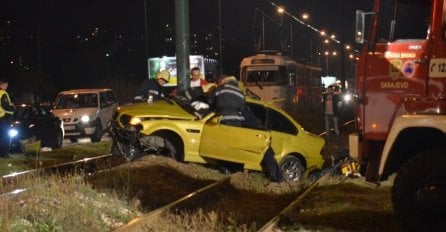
x: 292, y: 169
x: 97, y: 135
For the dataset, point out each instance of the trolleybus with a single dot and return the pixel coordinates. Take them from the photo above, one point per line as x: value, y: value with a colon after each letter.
x: 277, y: 78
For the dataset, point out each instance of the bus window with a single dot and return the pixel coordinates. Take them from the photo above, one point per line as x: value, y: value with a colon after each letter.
x: 267, y: 77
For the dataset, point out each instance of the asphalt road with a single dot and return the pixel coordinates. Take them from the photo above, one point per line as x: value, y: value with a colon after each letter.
x: 67, y: 142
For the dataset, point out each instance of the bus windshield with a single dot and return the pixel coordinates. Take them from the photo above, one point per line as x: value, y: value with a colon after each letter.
x: 265, y: 76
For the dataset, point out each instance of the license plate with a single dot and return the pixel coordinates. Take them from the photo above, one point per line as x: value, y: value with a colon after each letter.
x: 69, y: 127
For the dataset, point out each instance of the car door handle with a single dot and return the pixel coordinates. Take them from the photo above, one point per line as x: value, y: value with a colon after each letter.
x: 260, y: 136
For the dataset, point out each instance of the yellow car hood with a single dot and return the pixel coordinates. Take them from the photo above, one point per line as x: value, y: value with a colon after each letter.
x: 160, y: 108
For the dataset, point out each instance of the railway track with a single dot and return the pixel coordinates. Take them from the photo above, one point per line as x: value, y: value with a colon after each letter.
x: 10, y: 184
x: 264, y: 211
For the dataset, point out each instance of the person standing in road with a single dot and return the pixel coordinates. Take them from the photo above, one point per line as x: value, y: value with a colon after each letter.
x: 154, y: 87
x: 6, y: 112
x: 228, y: 100
x: 330, y: 109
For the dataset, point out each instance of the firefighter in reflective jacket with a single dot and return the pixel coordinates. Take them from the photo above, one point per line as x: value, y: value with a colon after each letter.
x: 153, y: 87
x: 228, y: 100
x: 6, y: 111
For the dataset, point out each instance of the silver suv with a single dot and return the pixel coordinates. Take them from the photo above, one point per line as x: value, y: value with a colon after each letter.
x: 85, y: 112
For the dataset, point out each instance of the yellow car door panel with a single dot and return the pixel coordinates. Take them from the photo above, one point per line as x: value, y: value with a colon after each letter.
x: 235, y: 144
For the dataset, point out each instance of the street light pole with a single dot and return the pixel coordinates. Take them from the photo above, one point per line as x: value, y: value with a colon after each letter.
x: 326, y: 65
x: 146, y: 35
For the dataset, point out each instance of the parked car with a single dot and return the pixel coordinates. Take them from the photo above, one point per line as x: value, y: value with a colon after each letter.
x: 177, y: 128
x: 37, y: 123
x: 85, y: 112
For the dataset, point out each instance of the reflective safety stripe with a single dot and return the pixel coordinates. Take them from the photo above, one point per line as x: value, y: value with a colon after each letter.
x: 3, y: 111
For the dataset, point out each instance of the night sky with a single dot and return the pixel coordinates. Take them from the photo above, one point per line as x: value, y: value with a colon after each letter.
x: 62, y: 24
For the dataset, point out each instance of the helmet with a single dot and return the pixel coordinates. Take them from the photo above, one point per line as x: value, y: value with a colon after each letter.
x: 165, y: 75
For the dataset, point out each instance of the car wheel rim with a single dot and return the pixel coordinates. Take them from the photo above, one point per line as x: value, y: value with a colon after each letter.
x: 292, y: 171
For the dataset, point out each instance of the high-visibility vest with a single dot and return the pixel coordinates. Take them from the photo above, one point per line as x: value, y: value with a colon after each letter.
x: 3, y: 111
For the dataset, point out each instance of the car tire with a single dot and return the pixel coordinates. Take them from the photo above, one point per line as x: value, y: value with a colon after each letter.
x: 417, y: 192
x: 172, y: 148
x: 58, y: 140
x: 292, y: 169
x: 97, y: 135
x: 270, y: 167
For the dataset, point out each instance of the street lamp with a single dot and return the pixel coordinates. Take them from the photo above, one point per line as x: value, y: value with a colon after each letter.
x: 327, y: 54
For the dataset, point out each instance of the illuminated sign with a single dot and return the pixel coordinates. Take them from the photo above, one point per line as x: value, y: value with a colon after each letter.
x: 262, y: 61
x: 169, y: 63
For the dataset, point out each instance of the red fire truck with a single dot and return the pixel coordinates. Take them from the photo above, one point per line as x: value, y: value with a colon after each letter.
x: 400, y: 89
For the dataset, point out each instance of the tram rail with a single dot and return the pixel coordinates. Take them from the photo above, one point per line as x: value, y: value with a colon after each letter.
x: 211, y: 195
x: 85, y: 166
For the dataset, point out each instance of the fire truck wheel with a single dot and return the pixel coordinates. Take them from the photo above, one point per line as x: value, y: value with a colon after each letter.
x: 418, y: 192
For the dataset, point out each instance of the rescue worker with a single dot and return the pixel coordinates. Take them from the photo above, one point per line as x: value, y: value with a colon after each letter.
x: 6, y: 112
x: 154, y: 87
x: 228, y: 100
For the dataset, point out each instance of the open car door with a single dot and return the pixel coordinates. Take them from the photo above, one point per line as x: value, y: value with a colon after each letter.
x: 233, y: 143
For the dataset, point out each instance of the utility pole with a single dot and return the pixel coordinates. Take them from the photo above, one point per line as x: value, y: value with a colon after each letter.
x: 182, y: 43
x: 146, y: 36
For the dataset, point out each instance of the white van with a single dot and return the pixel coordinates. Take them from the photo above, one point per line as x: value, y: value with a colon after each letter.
x: 85, y: 112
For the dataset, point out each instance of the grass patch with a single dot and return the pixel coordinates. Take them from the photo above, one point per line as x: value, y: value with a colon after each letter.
x: 55, y: 203
x: 21, y: 162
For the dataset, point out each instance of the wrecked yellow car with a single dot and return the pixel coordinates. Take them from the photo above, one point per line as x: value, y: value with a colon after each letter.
x: 183, y: 130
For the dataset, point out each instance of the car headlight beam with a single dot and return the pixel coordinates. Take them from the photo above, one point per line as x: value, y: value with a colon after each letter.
x: 347, y: 97
x: 12, y: 133
x: 135, y: 121
x: 85, y: 118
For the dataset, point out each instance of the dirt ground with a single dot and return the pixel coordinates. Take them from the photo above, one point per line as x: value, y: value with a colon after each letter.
x: 337, y: 204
